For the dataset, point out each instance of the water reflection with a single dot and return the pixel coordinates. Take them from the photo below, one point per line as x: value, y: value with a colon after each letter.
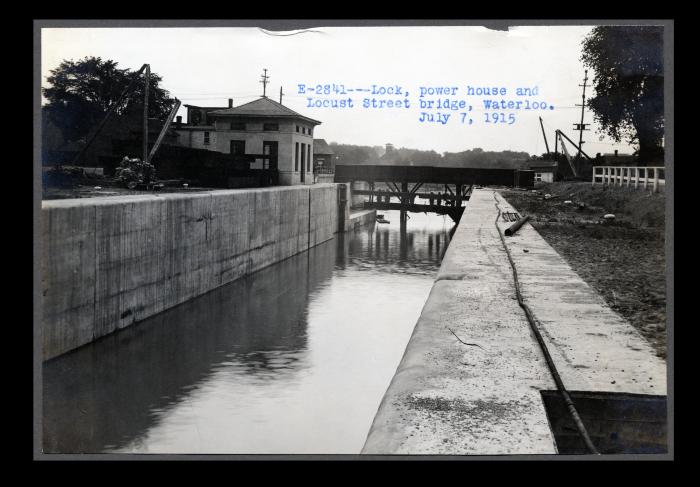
x: 417, y: 250
x: 293, y: 359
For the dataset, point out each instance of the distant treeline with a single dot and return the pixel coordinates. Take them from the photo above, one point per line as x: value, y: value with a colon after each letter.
x: 360, y: 154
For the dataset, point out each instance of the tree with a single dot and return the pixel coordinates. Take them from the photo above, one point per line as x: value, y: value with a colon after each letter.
x: 80, y: 93
x: 629, y: 84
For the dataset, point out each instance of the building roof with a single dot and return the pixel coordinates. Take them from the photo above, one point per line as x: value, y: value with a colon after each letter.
x: 322, y: 148
x: 540, y: 164
x: 619, y: 156
x: 206, y: 108
x: 262, y: 107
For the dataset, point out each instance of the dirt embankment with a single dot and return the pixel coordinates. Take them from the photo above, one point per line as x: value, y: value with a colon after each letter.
x: 97, y: 187
x: 623, y: 258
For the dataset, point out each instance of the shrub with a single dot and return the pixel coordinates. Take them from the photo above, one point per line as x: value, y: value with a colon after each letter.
x: 133, y: 171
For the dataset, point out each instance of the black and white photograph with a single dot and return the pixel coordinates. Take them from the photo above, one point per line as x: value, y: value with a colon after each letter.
x: 353, y: 240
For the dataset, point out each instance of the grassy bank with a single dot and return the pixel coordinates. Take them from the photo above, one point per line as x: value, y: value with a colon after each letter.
x: 623, y: 259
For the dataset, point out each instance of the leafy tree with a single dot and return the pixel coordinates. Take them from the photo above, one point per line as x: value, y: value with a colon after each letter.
x: 81, y: 93
x: 355, y: 154
x: 629, y: 84
x: 478, y: 157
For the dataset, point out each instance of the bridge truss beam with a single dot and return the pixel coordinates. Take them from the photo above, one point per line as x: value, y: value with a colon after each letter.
x: 448, y: 202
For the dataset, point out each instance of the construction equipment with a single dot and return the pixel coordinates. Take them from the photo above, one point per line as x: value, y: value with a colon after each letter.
x: 167, y: 123
x: 559, y: 138
x: 109, y: 113
x: 568, y: 157
x: 123, y: 97
x: 544, y: 135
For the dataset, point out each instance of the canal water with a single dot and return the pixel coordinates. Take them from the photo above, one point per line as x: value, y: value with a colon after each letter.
x: 292, y: 359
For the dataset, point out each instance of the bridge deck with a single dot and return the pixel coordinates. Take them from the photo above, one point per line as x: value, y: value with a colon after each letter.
x: 425, y: 174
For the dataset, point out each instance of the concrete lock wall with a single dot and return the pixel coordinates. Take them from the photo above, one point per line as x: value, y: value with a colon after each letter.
x: 472, y: 374
x: 110, y: 262
x: 357, y: 201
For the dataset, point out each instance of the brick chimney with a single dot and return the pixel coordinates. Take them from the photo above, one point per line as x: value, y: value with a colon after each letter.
x: 230, y: 102
x: 178, y: 121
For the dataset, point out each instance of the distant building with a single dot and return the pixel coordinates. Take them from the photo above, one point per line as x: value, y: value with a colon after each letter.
x: 266, y: 132
x: 324, y: 163
x: 616, y: 159
x: 544, y: 170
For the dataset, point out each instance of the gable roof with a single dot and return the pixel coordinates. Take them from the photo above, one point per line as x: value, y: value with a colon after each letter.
x: 322, y: 148
x: 262, y: 107
x: 206, y: 108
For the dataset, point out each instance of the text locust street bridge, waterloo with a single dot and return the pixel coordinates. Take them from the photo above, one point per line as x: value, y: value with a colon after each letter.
x: 458, y: 184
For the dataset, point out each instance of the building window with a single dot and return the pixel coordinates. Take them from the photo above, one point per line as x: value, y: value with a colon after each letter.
x: 303, y: 130
x: 311, y: 131
x: 238, y: 126
x: 308, y: 157
x: 296, y: 156
x: 237, y: 147
x: 206, y: 138
x: 297, y: 128
x: 270, y: 150
x: 271, y: 127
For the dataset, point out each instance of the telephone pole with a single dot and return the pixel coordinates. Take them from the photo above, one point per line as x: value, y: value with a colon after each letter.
x: 281, y: 95
x: 582, y: 126
x: 264, y: 80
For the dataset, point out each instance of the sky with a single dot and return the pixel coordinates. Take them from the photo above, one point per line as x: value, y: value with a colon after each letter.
x: 206, y: 66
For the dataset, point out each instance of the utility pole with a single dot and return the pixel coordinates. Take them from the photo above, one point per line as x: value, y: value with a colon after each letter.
x: 281, y: 95
x: 264, y: 80
x: 582, y: 126
x: 145, y: 113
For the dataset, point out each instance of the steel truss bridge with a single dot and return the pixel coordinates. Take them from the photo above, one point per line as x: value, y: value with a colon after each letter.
x: 405, y: 182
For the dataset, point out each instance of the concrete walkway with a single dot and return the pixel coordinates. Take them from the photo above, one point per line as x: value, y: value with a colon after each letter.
x: 482, y: 397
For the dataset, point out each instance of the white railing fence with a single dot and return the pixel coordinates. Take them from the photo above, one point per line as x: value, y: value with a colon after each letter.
x: 636, y: 177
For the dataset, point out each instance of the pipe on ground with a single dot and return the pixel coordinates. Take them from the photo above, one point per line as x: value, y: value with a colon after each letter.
x: 510, y: 231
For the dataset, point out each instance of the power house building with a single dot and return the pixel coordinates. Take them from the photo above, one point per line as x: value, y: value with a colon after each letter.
x: 279, y: 138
